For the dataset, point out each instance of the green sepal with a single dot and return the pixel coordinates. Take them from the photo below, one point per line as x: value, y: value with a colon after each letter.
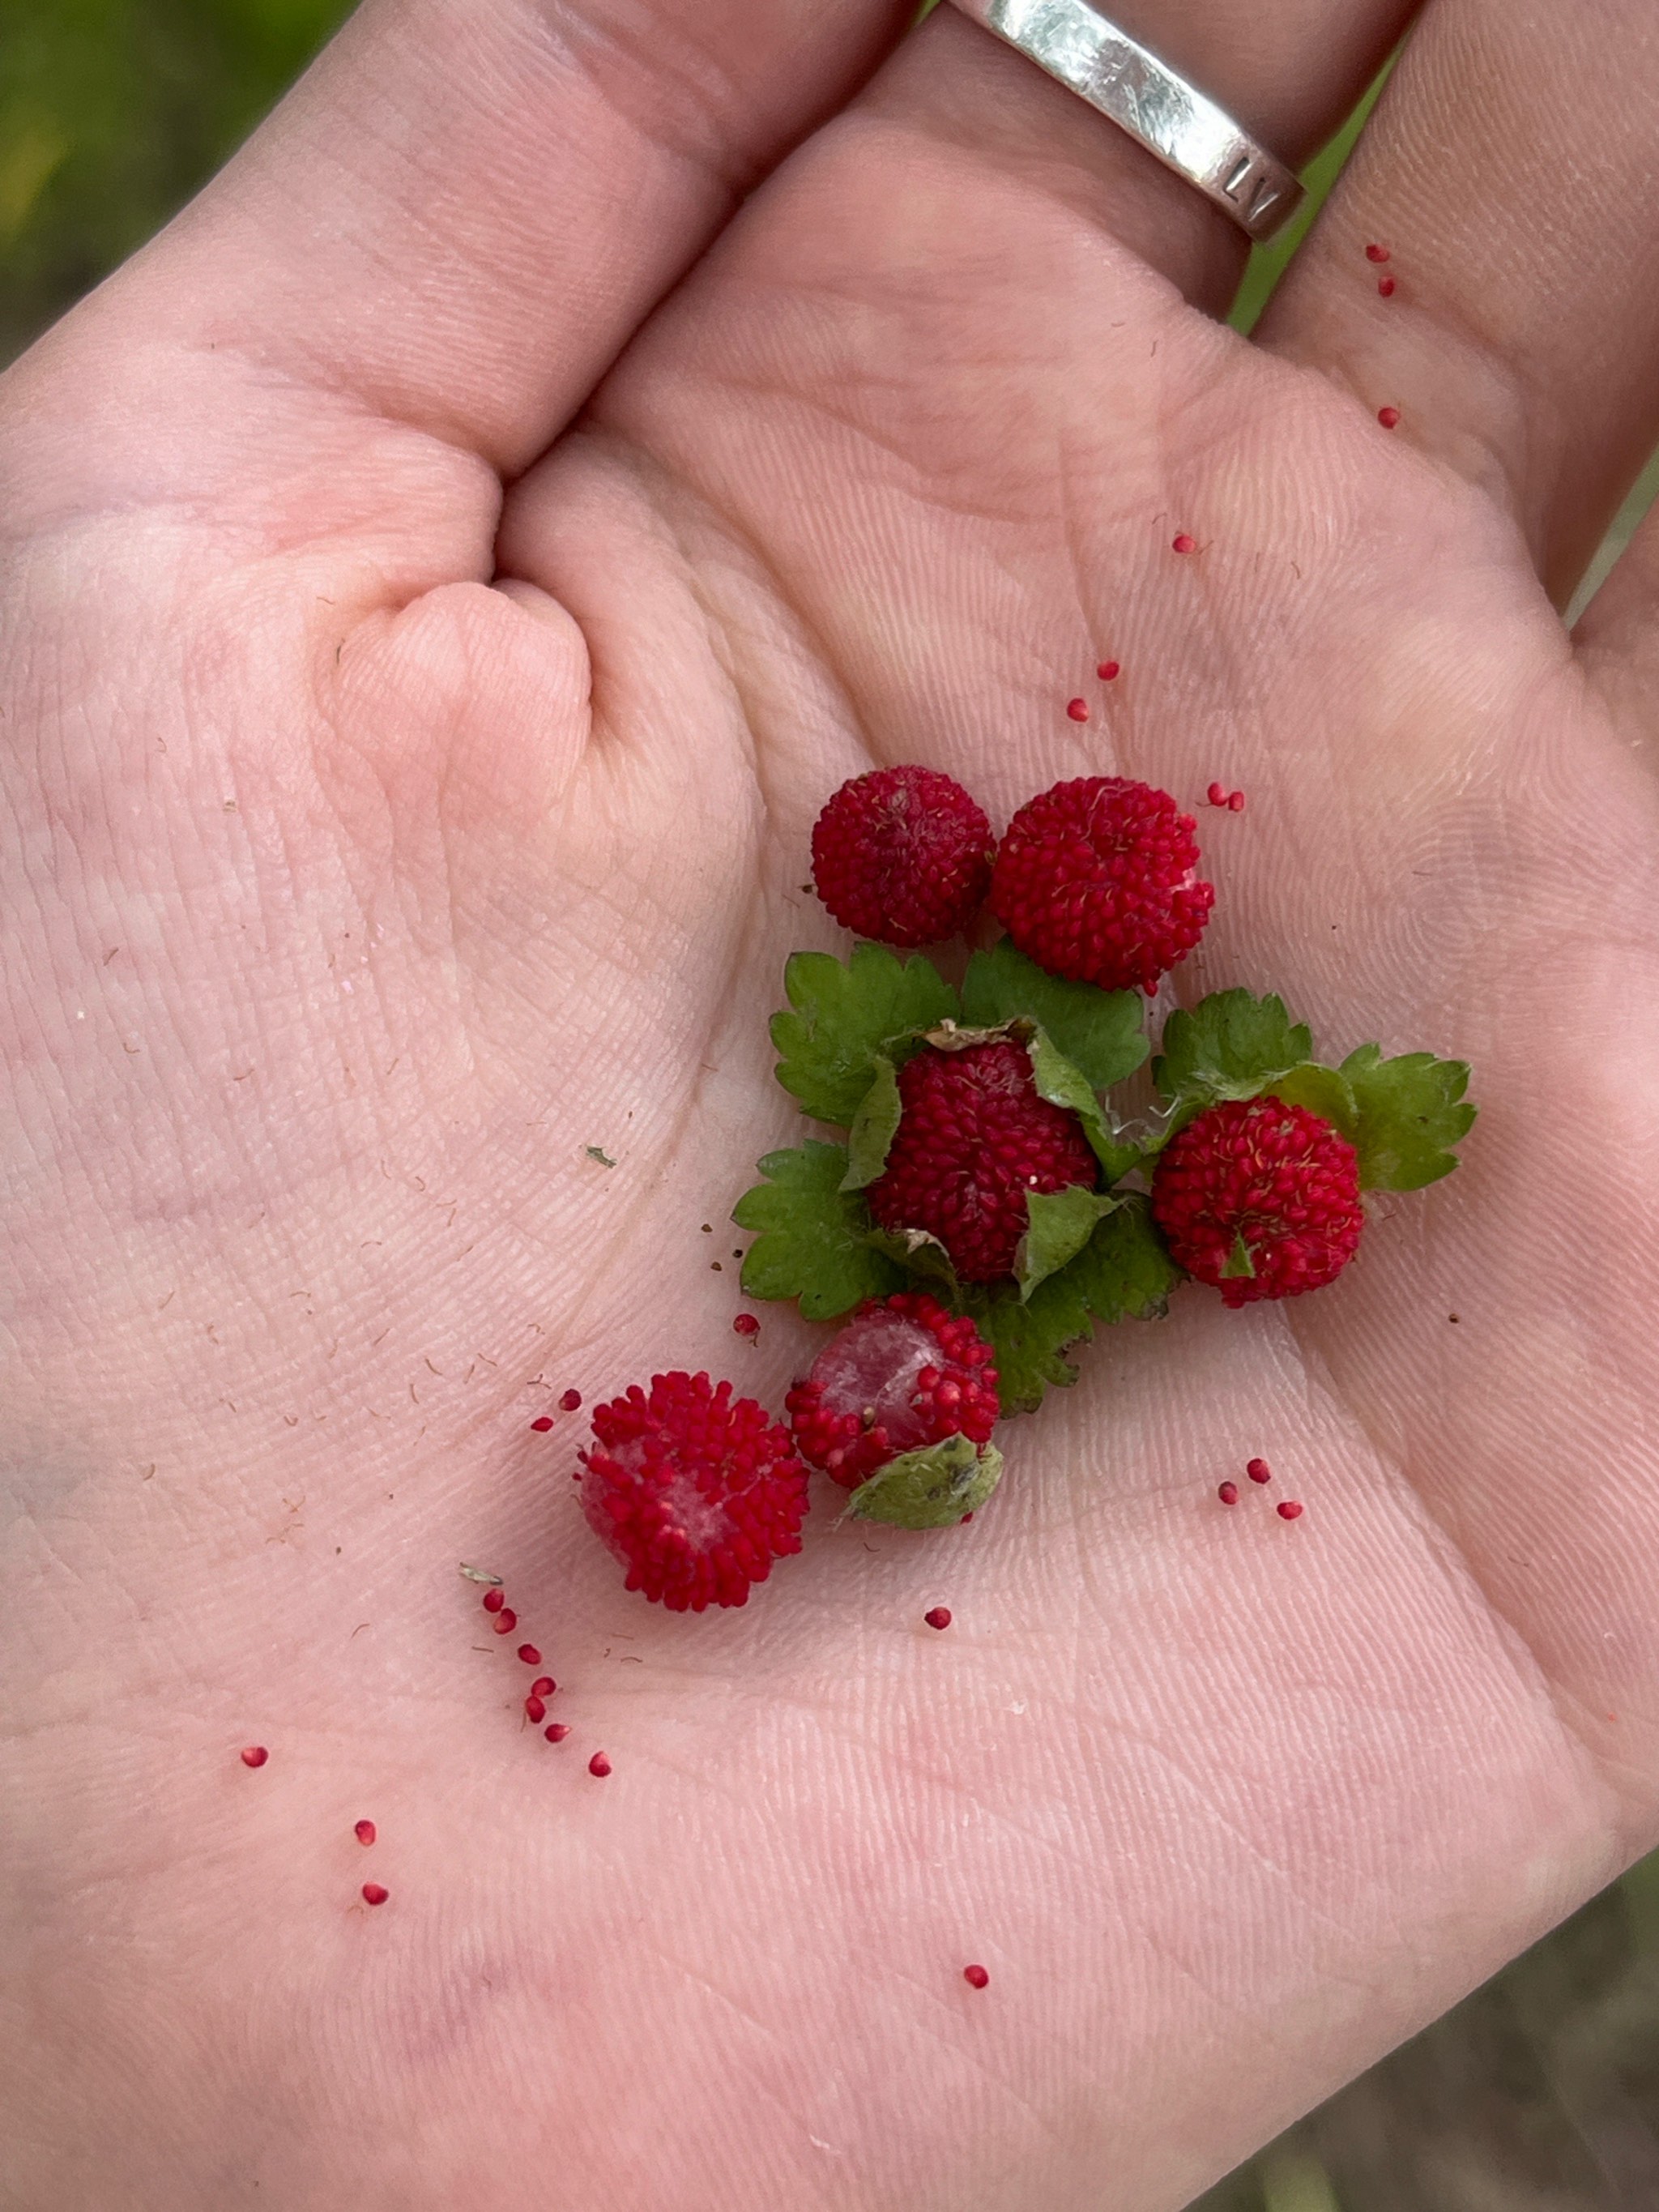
x: 918, y: 1253
x: 1063, y: 1084
x: 1062, y: 1222
x: 1231, y: 1045
x: 930, y: 1488
x: 874, y: 1126
x: 1102, y: 1033
x: 1411, y: 1113
x: 841, y: 1018
x: 1323, y: 1090
x: 1240, y: 1267
x: 813, y: 1242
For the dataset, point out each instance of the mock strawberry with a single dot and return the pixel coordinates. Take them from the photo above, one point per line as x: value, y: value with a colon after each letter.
x: 1260, y: 1198
x: 903, y: 855
x: 697, y: 1491
x: 1097, y: 881
x: 903, y: 1373
x: 974, y: 1140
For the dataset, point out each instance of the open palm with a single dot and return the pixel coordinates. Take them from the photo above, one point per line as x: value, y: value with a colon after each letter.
x: 382, y: 842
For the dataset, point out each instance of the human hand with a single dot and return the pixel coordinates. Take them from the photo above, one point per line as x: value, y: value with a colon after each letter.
x: 380, y: 839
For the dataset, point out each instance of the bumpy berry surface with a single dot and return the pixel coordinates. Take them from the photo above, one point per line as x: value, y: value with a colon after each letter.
x: 903, y: 1373
x: 903, y: 854
x: 697, y: 1491
x: 1097, y: 881
x: 973, y: 1141
x: 1279, y: 1177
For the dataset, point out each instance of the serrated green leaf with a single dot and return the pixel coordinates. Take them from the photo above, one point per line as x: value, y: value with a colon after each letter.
x: 1411, y: 1114
x: 874, y: 1126
x: 1323, y: 1090
x: 1060, y: 1223
x: 1124, y: 1272
x: 1063, y: 1085
x: 1102, y: 1033
x: 1231, y: 1045
x: 930, y: 1488
x: 812, y: 1242
x: 840, y: 1018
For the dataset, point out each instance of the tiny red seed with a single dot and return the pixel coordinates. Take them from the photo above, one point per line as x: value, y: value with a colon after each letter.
x: 493, y: 1599
x: 938, y: 1618
x: 1386, y: 286
x: 556, y: 1731
x: 571, y: 1401
x: 375, y: 1893
x: 541, y: 1426
x: 1378, y: 253
x: 1389, y: 417
x: 536, y: 1709
x: 1236, y: 801
x: 505, y: 1621
x: 747, y: 1324
x: 1078, y: 709
x: 1228, y: 1493
x: 1288, y: 1509
x: 1185, y: 544
x: 1109, y: 670
x: 599, y: 1765
x: 364, y: 1831
x: 1259, y: 1470
x: 529, y: 1654
x: 543, y: 1687
x: 255, y: 1755
x: 1216, y: 795
x: 975, y: 1977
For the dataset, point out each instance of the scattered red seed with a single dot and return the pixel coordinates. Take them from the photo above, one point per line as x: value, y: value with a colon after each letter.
x: 1259, y: 1470
x: 1216, y: 795
x: 505, y: 1621
x: 1109, y: 670
x: 1185, y: 544
x: 375, y: 1893
x: 747, y: 1324
x: 543, y: 1687
x: 1078, y: 709
x: 1236, y: 801
x: 1389, y: 417
x: 572, y: 1401
x: 1378, y: 253
x: 938, y: 1618
x: 1228, y: 1493
x: 599, y: 1765
x: 541, y: 1426
x: 536, y: 1709
x: 493, y: 1599
x: 529, y: 1654
x: 556, y: 1731
x: 1386, y: 286
x: 364, y: 1831
x: 1288, y: 1509
x: 975, y: 1977
x: 255, y: 1755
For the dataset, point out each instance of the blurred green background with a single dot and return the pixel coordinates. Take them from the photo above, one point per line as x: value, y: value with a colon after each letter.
x: 1541, y: 2093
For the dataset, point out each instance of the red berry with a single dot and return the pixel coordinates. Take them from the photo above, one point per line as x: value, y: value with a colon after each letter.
x: 493, y: 1599
x: 543, y: 1687
x: 529, y: 1654
x: 1097, y: 881
x: 599, y: 1765
x: 697, y: 1491
x: 375, y: 1893
x: 747, y: 1324
x: 542, y: 1425
x: 1109, y: 670
x: 255, y: 1755
x: 1389, y: 417
x: 1386, y: 286
x: 938, y: 1618
x: 505, y: 1621
x: 1290, y: 1508
x: 1259, y: 1470
x: 1185, y: 544
x: 535, y: 1710
x: 364, y: 1831
x: 902, y: 1374
x: 975, y: 1977
x: 1078, y: 709
x: 1378, y: 253
x: 903, y: 854
x: 1276, y: 1179
x: 571, y: 1402
x: 974, y: 1140
x: 1228, y: 1493
x: 555, y: 1731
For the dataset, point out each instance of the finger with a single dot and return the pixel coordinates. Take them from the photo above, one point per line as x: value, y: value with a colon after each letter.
x: 1509, y: 172
x: 461, y: 216
x: 1619, y: 635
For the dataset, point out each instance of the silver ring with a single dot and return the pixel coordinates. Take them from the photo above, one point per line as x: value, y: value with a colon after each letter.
x: 1144, y: 96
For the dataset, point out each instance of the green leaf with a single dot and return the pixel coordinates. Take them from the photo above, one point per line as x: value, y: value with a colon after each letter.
x: 1062, y: 1223
x: 1124, y: 1271
x: 1102, y: 1033
x: 1229, y: 1046
x: 812, y: 1242
x: 841, y: 1018
x: 1323, y: 1090
x: 930, y: 1488
x: 874, y: 1126
x: 1063, y: 1085
x: 919, y: 1254
x: 1411, y: 1114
